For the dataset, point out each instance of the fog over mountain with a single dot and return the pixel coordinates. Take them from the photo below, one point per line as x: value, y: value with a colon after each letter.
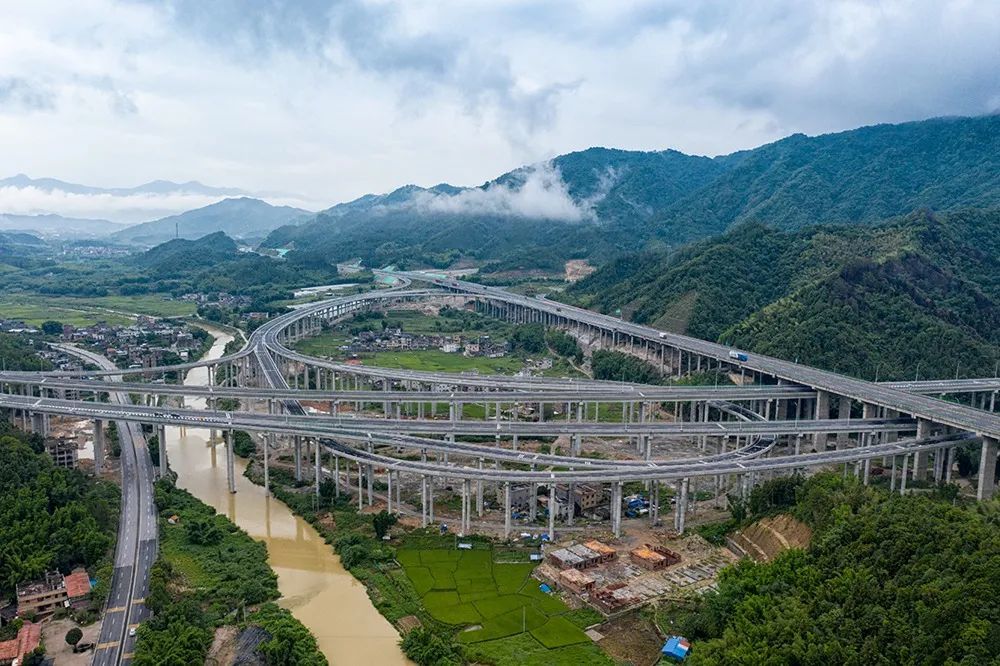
x: 26, y: 196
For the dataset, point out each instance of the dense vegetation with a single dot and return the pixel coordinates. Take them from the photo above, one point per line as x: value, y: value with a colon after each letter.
x: 210, y: 573
x: 50, y: 518
x: 17, y: 353
x: 630, y: 201
x: 210, y: 264
x: 622, y: 367
x: 921, y: 290
x: 886, y: 580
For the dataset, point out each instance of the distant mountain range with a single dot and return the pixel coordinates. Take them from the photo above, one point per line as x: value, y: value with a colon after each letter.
x: 600, y: 203
x: 152, y: 187
x: 241, y: 218
x: 57, y: 226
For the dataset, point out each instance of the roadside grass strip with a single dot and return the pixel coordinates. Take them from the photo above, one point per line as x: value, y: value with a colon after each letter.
x: 559, y: 632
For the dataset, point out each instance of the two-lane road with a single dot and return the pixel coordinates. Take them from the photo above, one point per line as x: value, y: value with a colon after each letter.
x: 137, y: 536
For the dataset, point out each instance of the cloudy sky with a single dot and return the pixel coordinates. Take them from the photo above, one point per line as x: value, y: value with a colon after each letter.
x: 327, y: 100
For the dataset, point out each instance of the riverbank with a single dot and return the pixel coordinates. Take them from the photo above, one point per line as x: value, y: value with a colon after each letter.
x: 312, y: 583
x: 465, y: 607
x: 211, y: 575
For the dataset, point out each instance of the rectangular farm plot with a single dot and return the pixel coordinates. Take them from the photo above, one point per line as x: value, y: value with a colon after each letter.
x: 559, y: 632
x: 522, y: 618
x: 510, y: 578
x: 421, y: 577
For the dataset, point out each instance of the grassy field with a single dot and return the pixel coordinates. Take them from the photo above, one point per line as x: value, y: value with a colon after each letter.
x: 114, y: 310
x: 497, y: 608
x: 436, y: 360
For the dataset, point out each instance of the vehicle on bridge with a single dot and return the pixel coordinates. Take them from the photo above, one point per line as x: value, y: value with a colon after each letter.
x: 739, y: 356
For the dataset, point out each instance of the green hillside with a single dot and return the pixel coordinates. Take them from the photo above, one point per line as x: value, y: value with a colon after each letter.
x: 629, y: 201
x: 924, y: 289
x: 860, y: 176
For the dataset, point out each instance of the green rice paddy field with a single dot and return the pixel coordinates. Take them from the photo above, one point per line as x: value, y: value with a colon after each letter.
x: 497, y: 608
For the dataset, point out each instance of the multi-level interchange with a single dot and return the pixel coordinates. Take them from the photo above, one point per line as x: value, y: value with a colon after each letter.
x: 780, y: 417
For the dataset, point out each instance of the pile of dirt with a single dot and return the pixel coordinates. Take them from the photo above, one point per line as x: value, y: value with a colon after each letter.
x: 768, y: 537
x: 631, y: 639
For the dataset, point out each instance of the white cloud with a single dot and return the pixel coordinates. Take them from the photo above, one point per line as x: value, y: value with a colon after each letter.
x: 335, y: 99
x: 117, y: 208
x: 540, y: 193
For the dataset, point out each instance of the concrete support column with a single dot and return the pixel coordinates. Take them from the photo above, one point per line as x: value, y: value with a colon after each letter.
x: 479, y: 493
x: 318, y: 470
x: 920, y: 457
x: 230, y: 460
x: 552, y: 512
x: 98, y: 446
x: 506, y: 509
x: 987, y: 469
x: 161, y: 437
x: 268, y: 439
x: 297, y: 442
x: 361, y: 488
x: 822, y: 412
x: 423, y: 500
x: 902, y: 478
x: 681, y: 507
x: 844, y: 414
x: 616, y: 508
x: 388, y: 492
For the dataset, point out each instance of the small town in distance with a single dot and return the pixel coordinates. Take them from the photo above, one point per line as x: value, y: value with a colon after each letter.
x: 382, y: 333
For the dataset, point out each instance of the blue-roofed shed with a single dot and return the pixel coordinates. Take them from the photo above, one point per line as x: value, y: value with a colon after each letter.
x: 676, y: 648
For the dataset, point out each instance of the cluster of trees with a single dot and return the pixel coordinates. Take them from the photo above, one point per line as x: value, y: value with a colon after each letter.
x: 528, y: 339
x: 50, y: 518
x: 622, y: 367
x: 886, y: 580
x: 290, y: 643
x: 17, y: 353
x: 427, y: 648
x: 232, y: 574
x: 564, y: 344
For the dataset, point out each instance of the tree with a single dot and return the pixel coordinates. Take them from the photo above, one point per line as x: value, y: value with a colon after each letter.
x: 153, y: 446
x: 428, y: 649
x: 203, y: 532
x: 52, y: 328
x: 73, y: 636
x: 382, y: 521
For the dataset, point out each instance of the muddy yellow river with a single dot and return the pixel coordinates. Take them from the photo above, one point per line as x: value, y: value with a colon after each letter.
x: 313, y: 584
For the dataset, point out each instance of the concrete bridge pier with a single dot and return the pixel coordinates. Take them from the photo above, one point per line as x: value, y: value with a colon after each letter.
x: 681, y: 506
x: 361, y: 490
x: 161, y: 438
x: 822, y: 412
x: 268, y: 440
x: 552, y: 512
x: 297, y: 443
x: 987, y: 469
x: 336, y: 473
x: 318, y: 470
x: 227, y: 436
x: 920, y: 457
x: 506, y: 509
x: 616, y: 508
x: 423, y: 500
x: 98, y: 446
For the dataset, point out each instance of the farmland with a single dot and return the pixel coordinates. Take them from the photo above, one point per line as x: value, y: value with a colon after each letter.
x: 497, y: 609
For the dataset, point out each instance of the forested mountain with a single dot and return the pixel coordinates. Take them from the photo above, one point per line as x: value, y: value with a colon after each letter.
x: 600, y: 203
x: 587, y: 203
x: 864, y: 175
x: 239, y: 218
x: 920, y: 290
